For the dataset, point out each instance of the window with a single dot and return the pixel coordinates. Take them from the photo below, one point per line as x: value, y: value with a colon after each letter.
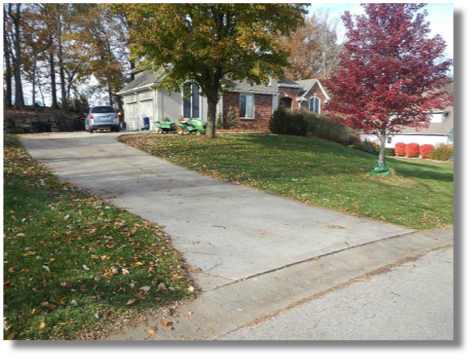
x: 389, y: 140
x: 246, y: 106
x: 191, y: 105
x: 102, y: 110
x: 436, y: 118
x: 314, y: 104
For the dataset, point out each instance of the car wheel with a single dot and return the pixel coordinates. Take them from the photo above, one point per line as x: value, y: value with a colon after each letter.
x: 90, y: 130
x: 159, y: 131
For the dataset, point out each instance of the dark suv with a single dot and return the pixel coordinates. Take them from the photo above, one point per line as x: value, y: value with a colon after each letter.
x: 102, y: 117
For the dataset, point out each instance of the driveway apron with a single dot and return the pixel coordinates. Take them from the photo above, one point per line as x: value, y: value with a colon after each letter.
x: 229, y: 232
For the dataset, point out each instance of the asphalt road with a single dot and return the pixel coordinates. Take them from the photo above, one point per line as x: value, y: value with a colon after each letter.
x: 413, y: 301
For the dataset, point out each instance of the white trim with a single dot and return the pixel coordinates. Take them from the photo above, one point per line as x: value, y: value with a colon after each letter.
x: 131, y: 102
x: 146, y: 99
x: 320, y: 86
x: 253, y: 92
x: 319, y: 104
x: 290, y: 86
x: 135, y: 89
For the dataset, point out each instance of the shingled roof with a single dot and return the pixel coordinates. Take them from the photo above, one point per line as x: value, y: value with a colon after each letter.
x: 442, y: 128
x: 149, y: 78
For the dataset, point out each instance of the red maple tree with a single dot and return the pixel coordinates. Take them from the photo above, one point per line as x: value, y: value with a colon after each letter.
x: 391, y: 72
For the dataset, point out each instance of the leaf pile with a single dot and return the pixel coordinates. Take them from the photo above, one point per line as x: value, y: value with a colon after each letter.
x: 73, y: 263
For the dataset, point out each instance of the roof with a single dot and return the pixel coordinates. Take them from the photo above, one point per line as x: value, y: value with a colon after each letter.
x: 143, y: 79
x: 307, y: 84
x: 149, y: 78
x: 245, y: 86
x: 443, y: 128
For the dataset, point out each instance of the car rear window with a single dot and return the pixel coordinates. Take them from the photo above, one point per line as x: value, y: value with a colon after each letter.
x: 102, y: 110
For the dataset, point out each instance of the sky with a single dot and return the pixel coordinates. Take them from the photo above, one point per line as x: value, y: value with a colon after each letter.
x: 440, y: 17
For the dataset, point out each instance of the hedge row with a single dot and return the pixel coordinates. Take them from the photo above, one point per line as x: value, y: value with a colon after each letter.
x: 441, y: 152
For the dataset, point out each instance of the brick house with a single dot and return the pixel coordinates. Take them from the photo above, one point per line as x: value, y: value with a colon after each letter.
x: 253, y: 104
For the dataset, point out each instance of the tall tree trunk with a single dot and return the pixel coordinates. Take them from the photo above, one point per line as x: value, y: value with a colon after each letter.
x: 34, y: 82
x: 7, y: 54
x: 382, y: 138
x: 19, y: 101
x: 212, y: 100
x: 211, y: 115
x: 111, y: 99
x: 54, y: 101
x: 61, y: 65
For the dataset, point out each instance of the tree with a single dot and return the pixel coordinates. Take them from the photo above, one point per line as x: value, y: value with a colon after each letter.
x: 390, y: 74
x: 208, y: 43
x: 17, y: 60
x: 7, y: 53
x: 313, y: 48
x: 302, y: 46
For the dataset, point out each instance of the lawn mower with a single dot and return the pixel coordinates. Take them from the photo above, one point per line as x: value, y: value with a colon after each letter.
x: 190, y: 126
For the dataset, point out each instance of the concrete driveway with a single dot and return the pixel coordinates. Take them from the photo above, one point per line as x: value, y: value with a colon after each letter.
x: 230, y: 232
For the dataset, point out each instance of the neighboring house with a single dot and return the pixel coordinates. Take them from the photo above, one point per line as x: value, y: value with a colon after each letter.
x: 254, y: 104
x: 440, y: 131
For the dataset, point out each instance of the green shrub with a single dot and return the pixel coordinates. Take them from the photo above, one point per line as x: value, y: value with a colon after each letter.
x: 230, y: 119
x: 219, y: 121
x: 389, y: 151
x: 442, y: 152
x: 296, y: 124
x: 303, y: 122
x: 325, y: 128
x: 278, y: 121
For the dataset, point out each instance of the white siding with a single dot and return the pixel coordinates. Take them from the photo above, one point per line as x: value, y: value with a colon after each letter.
x: 417, y: 139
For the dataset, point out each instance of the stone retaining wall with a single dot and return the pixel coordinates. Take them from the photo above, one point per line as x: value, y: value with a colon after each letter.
x: 34, y: 123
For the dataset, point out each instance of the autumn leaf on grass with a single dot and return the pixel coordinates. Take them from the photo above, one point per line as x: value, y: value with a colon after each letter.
x: 130, y: 302
x: 49, y: 306
x: 42, y: 325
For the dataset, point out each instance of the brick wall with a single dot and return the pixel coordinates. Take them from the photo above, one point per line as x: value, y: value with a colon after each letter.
x: 314, y: 91
x: 262, y: 111
x: 288, y: 92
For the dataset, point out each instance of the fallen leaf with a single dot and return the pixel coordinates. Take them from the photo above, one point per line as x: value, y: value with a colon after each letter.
x: 188, y: 315
x: 49, y: 306
x: 150, y: 332
x: 130, y: 302
x: 42, y: 325
x: 85, y: 267
x: 165, y: 322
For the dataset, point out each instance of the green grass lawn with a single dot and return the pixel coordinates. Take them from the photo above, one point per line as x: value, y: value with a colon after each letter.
x: 418, y: 194
x: 73, y: 264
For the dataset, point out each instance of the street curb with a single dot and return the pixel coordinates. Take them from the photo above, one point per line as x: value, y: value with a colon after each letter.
x: 227, y: 308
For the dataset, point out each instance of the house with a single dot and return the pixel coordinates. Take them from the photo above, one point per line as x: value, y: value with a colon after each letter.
x: 254, y: 104
x: 440, y: 131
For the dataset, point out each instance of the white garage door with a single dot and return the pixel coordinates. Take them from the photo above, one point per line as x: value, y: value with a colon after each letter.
x: 131, y: 116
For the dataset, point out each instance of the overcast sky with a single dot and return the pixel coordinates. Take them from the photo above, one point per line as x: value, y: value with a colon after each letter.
x: 440, y: 17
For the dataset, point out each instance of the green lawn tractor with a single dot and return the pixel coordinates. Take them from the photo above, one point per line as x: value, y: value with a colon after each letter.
x: 165, y: 126
x: 190, y: 126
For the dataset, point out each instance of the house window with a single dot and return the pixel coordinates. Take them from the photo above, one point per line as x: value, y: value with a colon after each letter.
x: 191, y: 105
x: 389, y: 140
x: 246, y: 106
x: 314, y: 104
